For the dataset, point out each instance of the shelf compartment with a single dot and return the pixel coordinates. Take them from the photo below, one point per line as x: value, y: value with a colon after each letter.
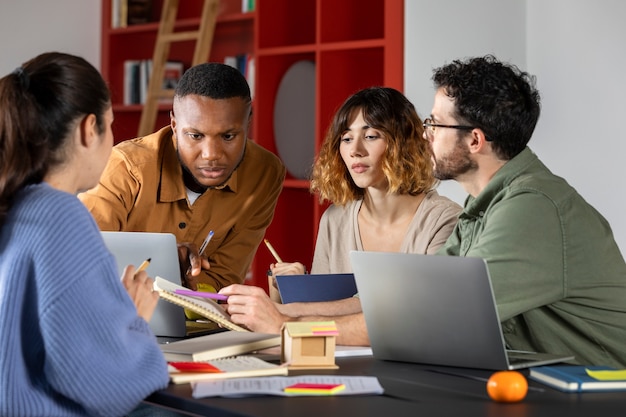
x: 349, y: 20
x: 125, y: 123
x: 341, y: 74
x: 291, y: 233
x: 286, y: 22
x: 271, y: 69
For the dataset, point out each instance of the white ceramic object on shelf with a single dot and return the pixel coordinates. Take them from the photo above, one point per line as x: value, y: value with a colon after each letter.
x: 294, y: 119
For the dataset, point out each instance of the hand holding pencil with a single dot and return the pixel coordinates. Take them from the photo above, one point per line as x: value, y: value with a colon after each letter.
x: 284, y: 268
x: 272, y: 250
x: 280, y: 268
x: 140, y: 289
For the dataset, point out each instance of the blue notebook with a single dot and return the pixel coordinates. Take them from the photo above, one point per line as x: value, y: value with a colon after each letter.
x: 574, y: 378
x: 315, y: 287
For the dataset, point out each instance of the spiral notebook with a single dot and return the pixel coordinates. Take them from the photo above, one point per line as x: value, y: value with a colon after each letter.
x: 202, y: 306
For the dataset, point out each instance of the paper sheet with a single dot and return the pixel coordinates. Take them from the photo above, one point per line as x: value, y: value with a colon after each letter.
x: 243, y: 387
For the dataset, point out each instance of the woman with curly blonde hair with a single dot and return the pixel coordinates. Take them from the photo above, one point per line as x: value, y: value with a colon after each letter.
x: 376, y: 170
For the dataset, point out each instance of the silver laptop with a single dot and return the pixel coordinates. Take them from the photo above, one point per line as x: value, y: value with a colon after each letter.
x: 436, y: 310
x: 133, y: 248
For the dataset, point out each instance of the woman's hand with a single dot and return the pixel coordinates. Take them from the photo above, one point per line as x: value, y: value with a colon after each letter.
x: 140, y: 288
x: 281, y: 268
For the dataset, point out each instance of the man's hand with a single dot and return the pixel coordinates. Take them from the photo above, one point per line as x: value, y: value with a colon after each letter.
x: 191, y: 264
x: 140, y: 289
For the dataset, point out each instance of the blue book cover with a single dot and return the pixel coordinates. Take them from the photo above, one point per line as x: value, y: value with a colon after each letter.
x: 315, y: 287
x: 574, y: 378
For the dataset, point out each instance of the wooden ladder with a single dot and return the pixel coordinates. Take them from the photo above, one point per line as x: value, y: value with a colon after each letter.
x: 165, y: 36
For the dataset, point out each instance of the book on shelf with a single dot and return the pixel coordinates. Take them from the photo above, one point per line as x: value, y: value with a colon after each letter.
x: 145, y: 70
x: 577, y: 378
x: 138, y: 11
x: 218, y: 345
x: 246, y: 65
x: 137, y: 75
x: 232, y: 367
x: 203, y: 306
x: 239, y: 61
x: 247, y: 6
x: 130, y: 12
x: 172, y: 74
x: 131, y: 81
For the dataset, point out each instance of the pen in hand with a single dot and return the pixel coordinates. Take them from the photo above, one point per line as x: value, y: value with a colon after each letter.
x: 202, y: 248
x: 274, y: 253
x: 205, y: 243
x: 143, y: 265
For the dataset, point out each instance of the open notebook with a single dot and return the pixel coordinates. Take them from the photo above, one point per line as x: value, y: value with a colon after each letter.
x: 199, y: 305
x: 437, y: 310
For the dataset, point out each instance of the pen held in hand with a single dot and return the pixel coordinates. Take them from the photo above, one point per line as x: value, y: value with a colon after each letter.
x: 206, y: 242
x: 143, y: 265
x: 212, y: 295
x: 274, y: 253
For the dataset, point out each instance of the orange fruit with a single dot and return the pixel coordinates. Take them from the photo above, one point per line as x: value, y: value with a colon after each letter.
x: 507, y: 386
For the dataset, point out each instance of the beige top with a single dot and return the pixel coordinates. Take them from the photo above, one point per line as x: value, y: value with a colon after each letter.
x: 339, y: 232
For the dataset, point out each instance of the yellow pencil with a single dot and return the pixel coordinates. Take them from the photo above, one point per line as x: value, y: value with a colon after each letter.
x: 143, y: 265
x: 271, y: 248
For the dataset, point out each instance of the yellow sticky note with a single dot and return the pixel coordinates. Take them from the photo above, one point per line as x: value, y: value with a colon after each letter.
x: 612, y: 375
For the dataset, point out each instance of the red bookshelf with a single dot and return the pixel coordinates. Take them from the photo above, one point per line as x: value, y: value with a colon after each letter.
x: 353, y: 43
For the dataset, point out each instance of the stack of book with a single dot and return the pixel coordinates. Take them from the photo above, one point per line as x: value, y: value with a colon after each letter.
x: 137, y: 76
x: 214, y: 356
x: 245, y: 64
x: 223, y: 368
x: 130, y: 12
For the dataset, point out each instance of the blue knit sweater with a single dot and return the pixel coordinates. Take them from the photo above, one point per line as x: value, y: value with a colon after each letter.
x: 71, y: 342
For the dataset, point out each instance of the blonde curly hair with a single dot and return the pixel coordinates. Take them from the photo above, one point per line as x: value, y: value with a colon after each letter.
x: 407, y: 161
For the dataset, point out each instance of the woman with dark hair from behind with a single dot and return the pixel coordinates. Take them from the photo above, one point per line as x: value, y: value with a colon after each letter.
x: 74, y: 339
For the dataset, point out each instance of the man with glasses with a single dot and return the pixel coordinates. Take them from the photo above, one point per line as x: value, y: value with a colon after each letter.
x: 558, y: 275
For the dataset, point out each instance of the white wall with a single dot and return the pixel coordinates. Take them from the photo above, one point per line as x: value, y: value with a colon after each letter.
x: 30, y: 27
x: 437, y: 32
x: 577, y: 50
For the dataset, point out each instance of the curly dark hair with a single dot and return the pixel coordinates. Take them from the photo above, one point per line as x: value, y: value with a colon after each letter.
x: 406, y: 163
x: 496, y: 97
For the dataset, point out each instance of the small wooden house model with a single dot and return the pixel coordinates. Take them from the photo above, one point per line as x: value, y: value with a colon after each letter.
x: 309, y: 345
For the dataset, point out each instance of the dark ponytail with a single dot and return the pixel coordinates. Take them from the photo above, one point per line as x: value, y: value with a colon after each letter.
x: 39, y: 102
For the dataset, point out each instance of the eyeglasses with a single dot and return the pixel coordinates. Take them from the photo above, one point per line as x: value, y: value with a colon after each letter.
x: 430, y: 127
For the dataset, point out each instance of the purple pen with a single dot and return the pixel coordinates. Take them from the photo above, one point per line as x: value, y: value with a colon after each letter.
x: 212, y: 295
